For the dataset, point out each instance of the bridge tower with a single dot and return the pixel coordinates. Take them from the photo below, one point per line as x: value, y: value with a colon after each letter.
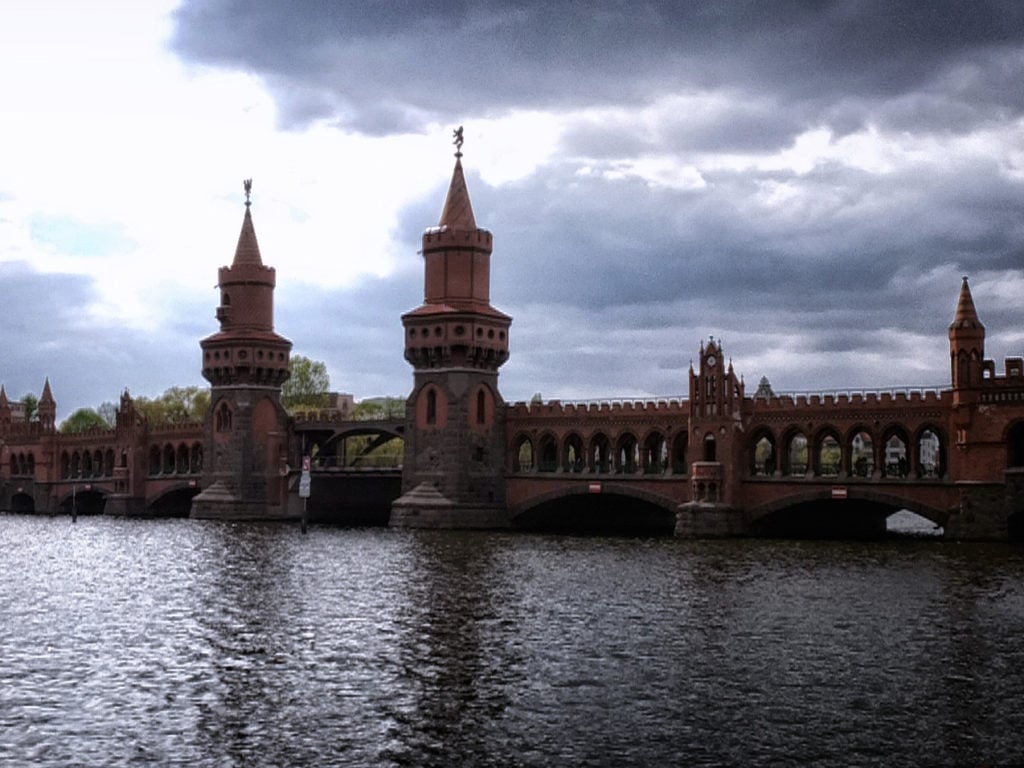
x: 716, y: 440
x: 454, y: 465
x: 246, y: 362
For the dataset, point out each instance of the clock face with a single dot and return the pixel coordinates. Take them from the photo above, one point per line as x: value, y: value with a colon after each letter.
x: 711, y: 360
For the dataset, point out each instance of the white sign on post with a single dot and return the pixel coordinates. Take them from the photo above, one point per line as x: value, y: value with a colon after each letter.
x: 304, y: 480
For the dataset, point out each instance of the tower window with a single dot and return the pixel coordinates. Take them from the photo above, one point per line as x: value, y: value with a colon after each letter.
x: 431, y: 407
x: 481, y: 407
x: 222, y: 421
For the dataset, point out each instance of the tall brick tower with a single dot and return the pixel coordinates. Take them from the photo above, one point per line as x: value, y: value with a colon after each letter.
x: 454, y: 469
x: 246, y: 363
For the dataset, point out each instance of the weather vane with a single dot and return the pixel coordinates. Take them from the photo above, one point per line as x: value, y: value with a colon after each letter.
x: 457, y: 135
x: 247, y: 184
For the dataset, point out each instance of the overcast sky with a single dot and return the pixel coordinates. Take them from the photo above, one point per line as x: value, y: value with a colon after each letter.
x: 806, y: 181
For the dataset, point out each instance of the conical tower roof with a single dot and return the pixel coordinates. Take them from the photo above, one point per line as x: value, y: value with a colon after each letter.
x: 966, y: 315
x: 4, y: 402
x: 47, y: 395
x: 248, y: 250
x: 458, y: 211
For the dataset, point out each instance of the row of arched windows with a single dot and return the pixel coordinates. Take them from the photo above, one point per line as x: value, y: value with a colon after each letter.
x: 861, y: 453
x: 23, y: 464
x: 626, y: 454
x: 183, y: 460
x: 86, y: 463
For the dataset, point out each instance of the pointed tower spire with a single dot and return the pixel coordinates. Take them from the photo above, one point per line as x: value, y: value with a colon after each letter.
x: 47, y: 407
x: 4, y: 402
x: 966, y: 315
x: 47, y: 395
x: 458, y: 211
x: 248, y: 250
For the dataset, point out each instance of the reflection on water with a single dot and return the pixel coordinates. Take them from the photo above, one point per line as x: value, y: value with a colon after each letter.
x: 183, y: 643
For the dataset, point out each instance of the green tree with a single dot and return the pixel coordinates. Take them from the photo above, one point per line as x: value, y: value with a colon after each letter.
x: 308, y: 384
x: 379, y: 408
x: 83, y: 420
x: 30, y: 405
x: 176, y: 405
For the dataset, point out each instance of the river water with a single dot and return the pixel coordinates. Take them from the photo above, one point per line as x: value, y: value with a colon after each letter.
x: 182, y: 643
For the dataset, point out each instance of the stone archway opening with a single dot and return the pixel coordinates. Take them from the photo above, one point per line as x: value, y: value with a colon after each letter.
x: 826, y: 519
x: 174, y: 503
x: 602, y: 514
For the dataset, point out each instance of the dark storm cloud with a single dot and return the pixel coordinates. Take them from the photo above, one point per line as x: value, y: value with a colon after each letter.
x: 854, y: 266
x: 391, y: 67
x: 50, y: 333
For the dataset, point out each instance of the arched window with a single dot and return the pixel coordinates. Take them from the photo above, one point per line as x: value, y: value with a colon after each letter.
x: 897, y: 458
x: 154, y: 460
x: 522, y: 455
x: 862, y: 454
x: 222, y: 420
x: 65, y: 464
x: 196, y: 465
x: 431, y: 406
x: 481, y: 407
x: 795, y: 455
x: 168, y: 459
x: 929, y: 455
x: 762, y: 460
x: 627, y: 454
x: 655, y: 456
x: 679, y: 445
x: 600, y: 454
x: 829, y: 456
x: 548, y: 454
x: 710, y: 452
x: 575, y: 461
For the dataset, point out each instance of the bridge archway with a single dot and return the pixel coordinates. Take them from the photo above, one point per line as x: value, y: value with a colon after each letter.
x: 361, y: 446
x: 23, y: 504
x: 84, y: 502
x: 613, y: 512
x: 814, y: 513
x: 762, y: 453
x: 174, y: 502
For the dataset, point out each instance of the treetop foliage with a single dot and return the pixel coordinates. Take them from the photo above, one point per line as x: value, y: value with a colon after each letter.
x: 308, y: 385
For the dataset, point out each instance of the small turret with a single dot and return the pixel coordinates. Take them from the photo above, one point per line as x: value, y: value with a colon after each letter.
x: 966, y: 346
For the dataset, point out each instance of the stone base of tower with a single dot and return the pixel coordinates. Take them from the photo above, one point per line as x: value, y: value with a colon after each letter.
x: 987, y: 509
x: 218, y: 503
x: 705, y: 520
x: 425, y: 507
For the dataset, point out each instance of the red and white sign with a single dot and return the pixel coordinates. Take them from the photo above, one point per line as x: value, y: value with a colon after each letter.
x: 838, y: 491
